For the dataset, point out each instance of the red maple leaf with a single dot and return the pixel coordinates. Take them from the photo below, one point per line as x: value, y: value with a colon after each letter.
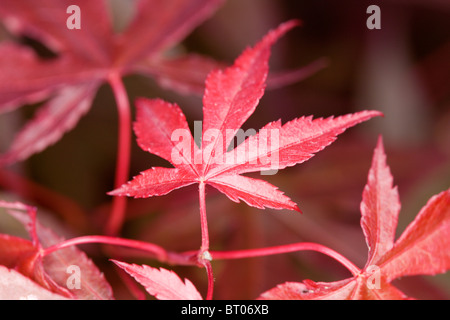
x: 27, y: 273
x: 422, y: 249
x: 15, y: 286
x: 231, y: 96
x: 161, y: 283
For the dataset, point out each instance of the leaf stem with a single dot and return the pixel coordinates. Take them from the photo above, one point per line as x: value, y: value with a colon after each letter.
x: 301, y: 246
x: 203, y: 218
x: 123, y: 153
x: 204, y: 257
x: 159, y: 252
x: 209, y: 272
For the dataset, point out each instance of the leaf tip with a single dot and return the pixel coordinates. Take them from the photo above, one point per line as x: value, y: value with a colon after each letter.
x: 118, y: 192
x: 376, y: 113
x: 112, y: 192
x: 293, y: 23
x: 118, y: 263
x: 296, y: 208
x: 380, y: 144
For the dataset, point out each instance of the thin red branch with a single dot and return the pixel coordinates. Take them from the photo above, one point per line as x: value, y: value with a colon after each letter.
x: 301, y: 246
x: 210, y: 275
x: 123, y: 153
x: 204, y: 257
x: 156, y: 251
x: 203, y: 217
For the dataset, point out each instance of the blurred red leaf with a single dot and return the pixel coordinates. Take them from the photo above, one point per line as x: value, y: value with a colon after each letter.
x: 89, y: 56
x: 161, y: 283
x: 14, y: 249
x: 422, y: 249
x: 423, y: 246
x: 52, y: 271
x: 15, y: 286
x: 85, y: 58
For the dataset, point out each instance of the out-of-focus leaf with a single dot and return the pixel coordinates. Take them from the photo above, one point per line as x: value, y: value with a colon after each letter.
x: 161, y: 283
x: 15, y: 286
x: 84, y: 58
x: 56, y: 270
x: 422, y: 249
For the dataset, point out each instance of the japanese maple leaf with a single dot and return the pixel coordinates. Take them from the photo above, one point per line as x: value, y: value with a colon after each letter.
x: 22, y: 264
x: 85, y: 58
x: 161, y: 283
x: 230, y: 97
x: 15, y: 286
x: 422, y: 249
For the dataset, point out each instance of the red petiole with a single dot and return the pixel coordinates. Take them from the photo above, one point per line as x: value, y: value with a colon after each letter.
x: 123, y: 152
